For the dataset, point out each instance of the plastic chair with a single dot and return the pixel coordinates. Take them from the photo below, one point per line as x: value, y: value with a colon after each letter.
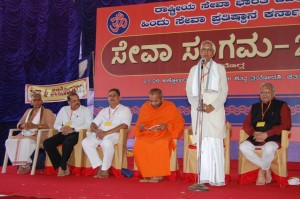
x: 75, y: 160
x: 41, y: 135
x: 247, y: 171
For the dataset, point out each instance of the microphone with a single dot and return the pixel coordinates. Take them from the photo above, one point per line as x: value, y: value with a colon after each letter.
x: 202, y: 61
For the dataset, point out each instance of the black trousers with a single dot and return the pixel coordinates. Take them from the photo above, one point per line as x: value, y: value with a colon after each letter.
x: 68, y: 142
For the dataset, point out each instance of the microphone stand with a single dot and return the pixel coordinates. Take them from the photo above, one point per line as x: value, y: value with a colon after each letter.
x: 199, y: 121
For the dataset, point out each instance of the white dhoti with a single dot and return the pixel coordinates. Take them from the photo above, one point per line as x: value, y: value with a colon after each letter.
x: 268, y: 153
x: 212, y: 161
x: 20, y: 150
x: 90, y: 143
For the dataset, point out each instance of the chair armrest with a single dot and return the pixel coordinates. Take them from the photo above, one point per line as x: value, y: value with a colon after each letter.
x: 11, y: 132
x: 285, y: 139
x: 42, y: 134
x: 243, y: 135
x: 52, y: 132
x: 123, y: 135
x: 186, y: 137
x: 228, y: 126
x: 228, y: 134
x: 81, y: 135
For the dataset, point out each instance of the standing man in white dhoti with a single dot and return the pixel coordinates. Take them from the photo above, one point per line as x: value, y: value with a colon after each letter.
x: 212, y: 88
x: 21, y: 146
x: 105, y: 132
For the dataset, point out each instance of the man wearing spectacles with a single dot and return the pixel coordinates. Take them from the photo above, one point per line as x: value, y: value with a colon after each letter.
x: 69, y: 121
x: 207, y: 90
x: 264, y: 125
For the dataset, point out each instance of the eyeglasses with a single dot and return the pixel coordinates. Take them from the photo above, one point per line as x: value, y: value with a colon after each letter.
x: 206, y: 49
x: 265, y: 92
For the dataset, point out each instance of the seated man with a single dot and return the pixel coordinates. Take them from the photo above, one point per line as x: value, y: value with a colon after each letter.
x: 264, y: 125
x: 20, y: 147
x: 105, y: 132
x: 69, y: 121
x: 158, y: 124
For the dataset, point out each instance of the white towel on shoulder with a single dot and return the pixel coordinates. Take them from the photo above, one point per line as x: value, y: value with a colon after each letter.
x: 212, y: 80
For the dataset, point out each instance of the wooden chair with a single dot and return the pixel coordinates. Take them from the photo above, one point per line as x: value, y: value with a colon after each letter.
x: 41, y: 135
x: 75, y: 160
x: 174, y: 166
x: 247, y: 171
x: 119, y: 160
x: 190, y: 156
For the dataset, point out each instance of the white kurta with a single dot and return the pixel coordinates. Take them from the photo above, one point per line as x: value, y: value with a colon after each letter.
x: 121, y: 114
x: 79, y: 119
x: 20, y: 150
x: 213, y: 126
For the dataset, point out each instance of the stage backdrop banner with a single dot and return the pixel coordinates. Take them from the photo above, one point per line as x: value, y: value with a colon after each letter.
x: 59, y: 92
x: 140, y: 47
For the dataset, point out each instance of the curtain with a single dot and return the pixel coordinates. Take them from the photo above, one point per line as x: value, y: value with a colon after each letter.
x: 39, y: 44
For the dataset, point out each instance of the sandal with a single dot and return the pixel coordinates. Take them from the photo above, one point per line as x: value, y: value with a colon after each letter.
x: 155, y: 179
x: 144, y: 180
x: 198, y: 187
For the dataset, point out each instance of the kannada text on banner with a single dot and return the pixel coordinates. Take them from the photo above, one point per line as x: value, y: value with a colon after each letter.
x: 257, y: 41
x: 58, y: 92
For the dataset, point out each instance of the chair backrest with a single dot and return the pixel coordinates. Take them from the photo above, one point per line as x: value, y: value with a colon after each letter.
x: 243, y: 136
x: 285, y: 139
x: 226, y: 140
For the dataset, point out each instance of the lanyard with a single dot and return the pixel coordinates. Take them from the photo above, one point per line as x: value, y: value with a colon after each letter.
x: 202, y: 77
x: 262, y: 109
x: 71, y: 114
x: 110, y: 115
x: 202, y: 82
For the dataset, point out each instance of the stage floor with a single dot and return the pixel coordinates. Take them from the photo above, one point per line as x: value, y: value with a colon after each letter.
x: 87, y: 187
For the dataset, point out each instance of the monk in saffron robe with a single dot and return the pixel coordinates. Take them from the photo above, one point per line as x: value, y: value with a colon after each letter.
x: 158, y: 124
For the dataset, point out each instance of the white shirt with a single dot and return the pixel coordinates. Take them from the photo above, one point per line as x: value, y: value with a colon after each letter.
x: 79, y: 119
x: 109, y: 118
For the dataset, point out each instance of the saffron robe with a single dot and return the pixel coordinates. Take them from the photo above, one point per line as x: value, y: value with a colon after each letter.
x: 152, y: 150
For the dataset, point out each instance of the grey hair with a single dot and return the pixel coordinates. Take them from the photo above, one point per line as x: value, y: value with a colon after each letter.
x: 267, y: 84
x: 35, y: 94
x: 72, y: 94
x: 211, y: 43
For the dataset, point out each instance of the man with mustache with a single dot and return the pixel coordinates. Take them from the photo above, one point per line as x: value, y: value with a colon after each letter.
x: 105, y: 132
x: 69, y: 121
